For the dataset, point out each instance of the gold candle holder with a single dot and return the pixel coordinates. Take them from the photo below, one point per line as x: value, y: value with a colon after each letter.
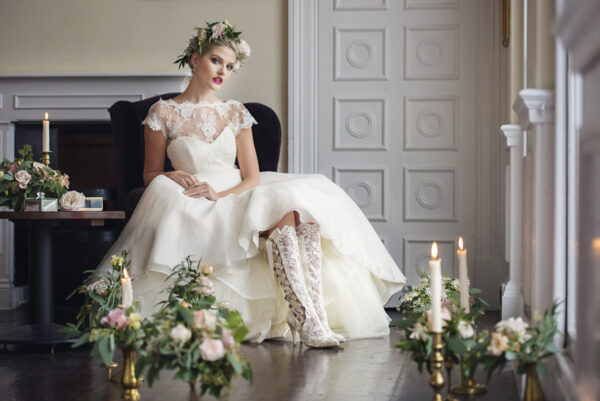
x: 449, y: 365
x: 46, y: 157
x: 129, y: 382
x: 436, y: 381
x: 469, y: 387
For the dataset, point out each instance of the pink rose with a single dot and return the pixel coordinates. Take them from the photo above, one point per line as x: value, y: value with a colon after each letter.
x: 23, y: 178
x: 12, y: 167
x: 446, y: 316
x: 212, y: 349
x: 227, y: 339
x: 204, y: 319
x: 116, y: 317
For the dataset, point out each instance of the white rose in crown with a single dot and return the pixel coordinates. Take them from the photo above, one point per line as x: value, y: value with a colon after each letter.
x: 244, y: 48
x: 72, y: 200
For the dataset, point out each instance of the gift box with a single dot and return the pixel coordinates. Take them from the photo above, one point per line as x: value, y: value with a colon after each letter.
x: 92, y: 204
x: 41, y: 205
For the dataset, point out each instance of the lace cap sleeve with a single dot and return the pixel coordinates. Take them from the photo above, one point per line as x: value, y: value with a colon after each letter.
x: 154, y: 119
x: 242, y: 118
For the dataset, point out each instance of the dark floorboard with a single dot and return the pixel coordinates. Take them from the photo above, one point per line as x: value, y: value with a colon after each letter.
x: 368, y: 370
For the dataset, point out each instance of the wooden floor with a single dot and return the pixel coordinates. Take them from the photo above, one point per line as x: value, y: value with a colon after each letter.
x: 368, y: 370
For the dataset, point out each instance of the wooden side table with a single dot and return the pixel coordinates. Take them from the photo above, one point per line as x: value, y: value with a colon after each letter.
x: 42, y: 329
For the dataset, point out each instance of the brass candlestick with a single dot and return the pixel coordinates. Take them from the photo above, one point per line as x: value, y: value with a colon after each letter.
x: 129, y: 382
x: 46, y: 157
x: 449, y: 365
x: 436, y: 381
x: 469, y: 387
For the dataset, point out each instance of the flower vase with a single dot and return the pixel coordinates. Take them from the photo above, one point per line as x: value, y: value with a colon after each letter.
x: 533, y: 387
x: 129, y: 381
x: 468, y: 385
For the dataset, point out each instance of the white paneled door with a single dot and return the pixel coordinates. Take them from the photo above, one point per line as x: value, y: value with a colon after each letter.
x: 396, y: 119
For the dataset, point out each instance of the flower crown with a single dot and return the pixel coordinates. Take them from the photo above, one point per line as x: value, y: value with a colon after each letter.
x: 221, y: 33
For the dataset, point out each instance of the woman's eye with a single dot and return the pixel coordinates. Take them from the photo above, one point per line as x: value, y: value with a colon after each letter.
x: 215, y: 60
x: 230, y: 67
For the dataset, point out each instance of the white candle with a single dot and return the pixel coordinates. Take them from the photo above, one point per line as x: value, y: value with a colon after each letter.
x: 126, y: 290
x: 463, y: 276
x: 435, y: 282
x: 46, y: 134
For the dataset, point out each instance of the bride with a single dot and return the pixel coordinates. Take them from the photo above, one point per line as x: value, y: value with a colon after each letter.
x: 292, y: 252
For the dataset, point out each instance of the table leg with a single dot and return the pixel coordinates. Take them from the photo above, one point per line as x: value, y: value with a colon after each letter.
x: 40, y: 278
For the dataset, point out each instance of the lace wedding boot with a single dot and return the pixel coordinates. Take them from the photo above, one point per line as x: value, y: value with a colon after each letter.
x: 310, y: 243
x: 283, y: 253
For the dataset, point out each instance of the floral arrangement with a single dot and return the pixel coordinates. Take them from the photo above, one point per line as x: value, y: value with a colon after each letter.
x: 102, y: 294
x: 515, y: 340
x: 24, y: 178
x: 194, y: 335
x: 110, y: 325
x: 218, y: 32
x: 458, y: 326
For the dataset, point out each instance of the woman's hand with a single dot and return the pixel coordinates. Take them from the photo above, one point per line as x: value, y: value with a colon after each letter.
x: 184, y: 179
x: 202, y: 190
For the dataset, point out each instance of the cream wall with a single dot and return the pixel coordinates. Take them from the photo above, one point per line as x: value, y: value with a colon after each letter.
x: 145, y: 36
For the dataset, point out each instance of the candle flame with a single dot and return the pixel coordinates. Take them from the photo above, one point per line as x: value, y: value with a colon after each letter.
x: 460, y: 243
x: 434, y: 250
x: 125, y: 275
x: 46, y: 116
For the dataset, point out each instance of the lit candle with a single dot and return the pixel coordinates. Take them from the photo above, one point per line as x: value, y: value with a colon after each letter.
x: 126, y: 290
x: 435, y: 282
x: 46, y: 134
x: 463, y: 276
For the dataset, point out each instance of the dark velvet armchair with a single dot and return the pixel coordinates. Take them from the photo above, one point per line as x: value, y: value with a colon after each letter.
x: 128, y: 136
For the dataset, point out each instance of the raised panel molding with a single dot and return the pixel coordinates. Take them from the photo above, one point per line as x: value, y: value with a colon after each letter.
x: 431, y: 123
x: 430, y: 194
x: 360, y: 54
x: 367, y: 187
x: 360, y: 123
x: 361, y: 5
x: 71, y: 101
x: 429, y: 4
x: 417, y: 253
x: 430, y: 52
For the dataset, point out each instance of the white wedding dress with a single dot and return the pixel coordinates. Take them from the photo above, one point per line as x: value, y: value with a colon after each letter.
x: 358, y: 273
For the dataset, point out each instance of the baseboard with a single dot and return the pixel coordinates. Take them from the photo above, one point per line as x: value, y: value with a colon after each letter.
x: 13, y: 297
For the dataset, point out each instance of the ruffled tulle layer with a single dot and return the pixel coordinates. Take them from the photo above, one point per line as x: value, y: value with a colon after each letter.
x: 359, y: 275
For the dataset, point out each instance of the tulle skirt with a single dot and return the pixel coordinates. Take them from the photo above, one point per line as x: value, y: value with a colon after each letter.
x: 358, y: 274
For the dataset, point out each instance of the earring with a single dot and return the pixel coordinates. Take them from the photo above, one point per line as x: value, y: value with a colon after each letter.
x: 193, y: 69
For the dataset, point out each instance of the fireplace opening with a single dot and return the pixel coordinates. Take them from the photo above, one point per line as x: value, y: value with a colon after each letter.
x: 84, y: 150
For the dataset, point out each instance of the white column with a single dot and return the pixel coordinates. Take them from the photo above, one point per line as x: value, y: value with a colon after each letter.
x: 535, y: 108
x: 512, y: 299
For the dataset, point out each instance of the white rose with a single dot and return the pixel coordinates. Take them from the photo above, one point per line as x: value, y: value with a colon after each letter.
x: 512, y: 326
x: 419, y: 332
x: 465, y: 329
x: 23, y: 178
x: 201, y: 34
x: 499, y: 344
x: 99, y: 286
x: 212, y: 349
x: 180, y: 333
x: 39, y: 167
x: 72, y: 200
x: 244, y: 48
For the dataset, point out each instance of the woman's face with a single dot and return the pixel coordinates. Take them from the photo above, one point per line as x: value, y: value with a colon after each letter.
x: 215, y: 66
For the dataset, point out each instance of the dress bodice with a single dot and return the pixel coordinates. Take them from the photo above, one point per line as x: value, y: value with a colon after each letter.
x: 200, y: 136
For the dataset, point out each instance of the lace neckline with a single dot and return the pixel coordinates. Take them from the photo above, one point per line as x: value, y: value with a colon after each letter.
x: 187, y: 103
